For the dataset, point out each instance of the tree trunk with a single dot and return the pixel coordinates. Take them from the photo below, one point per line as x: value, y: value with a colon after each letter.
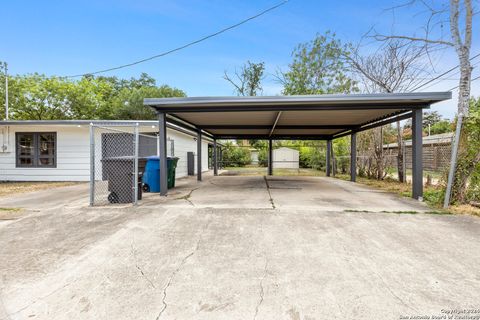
x: 401, y: 173
x: 463, y: 51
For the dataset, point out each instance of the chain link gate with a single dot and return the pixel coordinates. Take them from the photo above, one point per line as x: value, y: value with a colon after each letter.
x: 118, y: 156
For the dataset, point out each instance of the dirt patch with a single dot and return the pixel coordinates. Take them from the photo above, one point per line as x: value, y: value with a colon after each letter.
x: 11, y: 188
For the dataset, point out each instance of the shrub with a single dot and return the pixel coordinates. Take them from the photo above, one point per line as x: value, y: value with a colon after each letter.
x: 234, y: 156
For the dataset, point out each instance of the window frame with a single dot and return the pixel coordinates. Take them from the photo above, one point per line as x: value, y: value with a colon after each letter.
x: 36, y: 150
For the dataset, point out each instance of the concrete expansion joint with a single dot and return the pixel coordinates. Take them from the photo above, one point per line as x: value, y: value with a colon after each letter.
x: 187, y: 197
x: 269, y: 193
x: 174, y: 273
x: 262, y: 291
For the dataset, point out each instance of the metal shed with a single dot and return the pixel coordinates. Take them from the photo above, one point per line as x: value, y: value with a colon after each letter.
x: 311, y: 117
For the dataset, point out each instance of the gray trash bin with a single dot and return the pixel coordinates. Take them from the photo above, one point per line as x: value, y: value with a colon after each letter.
x: 120, y: 171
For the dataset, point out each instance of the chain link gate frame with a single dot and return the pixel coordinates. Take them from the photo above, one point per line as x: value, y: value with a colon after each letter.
x: 118, y: 155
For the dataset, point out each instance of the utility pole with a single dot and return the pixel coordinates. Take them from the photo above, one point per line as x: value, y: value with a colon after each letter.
x: 6, y: 91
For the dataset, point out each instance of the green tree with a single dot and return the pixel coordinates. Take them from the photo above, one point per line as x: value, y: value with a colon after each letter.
x: 430, y: 118
x: 467, y: 177
x: 38, y: 97
x: 318, y: 67
x: 442, y: 126
x: 247, y: 81
x: 128, y: 104
x: 234, y: 156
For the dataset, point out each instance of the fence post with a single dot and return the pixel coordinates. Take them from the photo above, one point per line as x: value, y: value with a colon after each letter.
x: 135, y: 175
x: 92, y: 165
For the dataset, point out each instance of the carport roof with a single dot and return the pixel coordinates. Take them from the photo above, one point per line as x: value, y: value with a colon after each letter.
x: 285, y: 117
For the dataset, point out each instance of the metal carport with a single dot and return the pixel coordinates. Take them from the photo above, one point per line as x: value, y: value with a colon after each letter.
x: 312, y: 117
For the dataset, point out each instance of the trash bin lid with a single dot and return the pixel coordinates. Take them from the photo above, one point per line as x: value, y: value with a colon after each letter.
x: 157, y: 158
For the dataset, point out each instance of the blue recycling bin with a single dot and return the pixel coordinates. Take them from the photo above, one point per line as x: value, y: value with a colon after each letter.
x: 151, y: 175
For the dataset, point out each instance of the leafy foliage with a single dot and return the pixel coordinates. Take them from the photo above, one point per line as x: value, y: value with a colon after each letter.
x: 467, y: 176
x: 247, y: 81
x: 234, y: 156
x: 38, y: 97
x: 319, y: 67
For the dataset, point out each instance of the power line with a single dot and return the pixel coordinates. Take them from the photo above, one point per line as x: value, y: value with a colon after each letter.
x: 441, y: 75
x: 185, y: 45
x: 476, y: 78
x: 456, y: 72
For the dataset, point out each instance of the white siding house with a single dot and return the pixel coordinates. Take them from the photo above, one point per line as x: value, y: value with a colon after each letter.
x: 72, y: 150
x: 285, y: 158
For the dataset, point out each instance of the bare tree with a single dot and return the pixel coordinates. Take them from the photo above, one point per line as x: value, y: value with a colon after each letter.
x: 247, y: 81
x: 460, y: 14
x: 398, y: 66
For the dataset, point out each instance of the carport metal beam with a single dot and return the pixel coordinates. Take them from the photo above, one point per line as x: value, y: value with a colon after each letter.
x: 175, y: 120
x: 226, y: 126
x: 242, y: 108
x: 372, y: 125
x: 162, y: 136
x: 275, y: 137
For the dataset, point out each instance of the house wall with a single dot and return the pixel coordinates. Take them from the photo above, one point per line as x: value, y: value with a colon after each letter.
x: 73, y: 153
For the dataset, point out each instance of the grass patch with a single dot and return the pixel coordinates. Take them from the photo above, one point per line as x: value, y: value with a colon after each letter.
x: 432, y: 195
x: 10, y: 209
x: 401, y: 212
x: 9, y: 213
x: 465, y: 209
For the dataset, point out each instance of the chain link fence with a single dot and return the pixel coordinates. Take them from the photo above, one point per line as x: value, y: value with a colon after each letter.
x: 118, y: 156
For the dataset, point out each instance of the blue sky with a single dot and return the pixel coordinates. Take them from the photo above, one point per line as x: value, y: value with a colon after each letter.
x: 70, y: 37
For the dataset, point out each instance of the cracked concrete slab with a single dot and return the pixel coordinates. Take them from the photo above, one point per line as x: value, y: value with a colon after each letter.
x: 238, y: 258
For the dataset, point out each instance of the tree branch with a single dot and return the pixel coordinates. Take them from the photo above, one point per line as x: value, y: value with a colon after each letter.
x: 380, y: 37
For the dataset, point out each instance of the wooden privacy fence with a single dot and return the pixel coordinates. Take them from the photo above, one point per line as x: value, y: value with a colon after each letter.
x: 436, y: 153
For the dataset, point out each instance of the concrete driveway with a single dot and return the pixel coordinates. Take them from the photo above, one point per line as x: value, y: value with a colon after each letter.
x: 237, y: 248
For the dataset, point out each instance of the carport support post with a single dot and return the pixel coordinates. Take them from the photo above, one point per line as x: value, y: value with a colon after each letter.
x: 199, y: 155
x: 162, y: 136
x: 417, y: 154
x: 270, y: 158
x: 215, y: 162
x: 353, y: 157
x: 329, y: 149
x: 220, y: 151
